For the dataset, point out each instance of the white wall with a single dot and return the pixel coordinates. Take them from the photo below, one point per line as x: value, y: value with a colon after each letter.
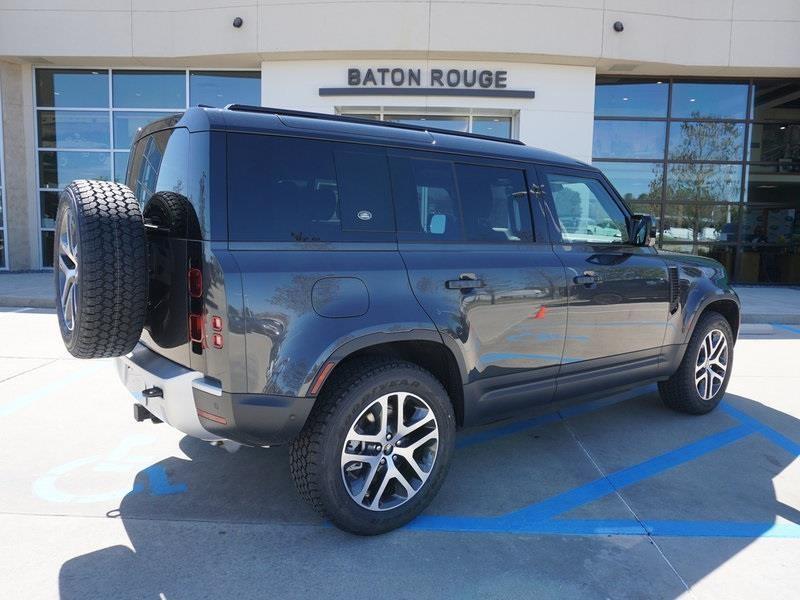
x: 559, y: 118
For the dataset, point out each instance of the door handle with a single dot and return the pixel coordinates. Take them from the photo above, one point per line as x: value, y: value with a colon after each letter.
x: 588, y: 278
x: 465, y: 281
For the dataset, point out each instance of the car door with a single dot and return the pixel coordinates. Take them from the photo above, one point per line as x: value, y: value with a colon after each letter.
x: 493, y: 291
x: 618, y: 293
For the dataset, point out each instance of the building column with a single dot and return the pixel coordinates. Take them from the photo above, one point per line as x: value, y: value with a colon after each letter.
x: 21, y: 235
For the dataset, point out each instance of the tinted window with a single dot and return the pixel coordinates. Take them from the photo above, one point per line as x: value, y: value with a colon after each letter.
x: 364, y: 193
x: 709, y: 100
x: 218, y: 88
x: 425, y: 200
x: 149, y: 89
x: 283, y: 189
x: 72, y: 88
x: 586, y: 211
x: 494, y: 204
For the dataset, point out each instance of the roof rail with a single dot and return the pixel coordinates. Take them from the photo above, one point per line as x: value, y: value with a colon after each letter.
x: 349, y: 119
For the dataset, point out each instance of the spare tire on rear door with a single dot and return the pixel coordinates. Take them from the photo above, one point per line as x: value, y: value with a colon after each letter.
x: 100, y: 264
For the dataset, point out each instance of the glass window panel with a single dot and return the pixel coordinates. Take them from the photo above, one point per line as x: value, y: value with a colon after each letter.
x: 683, y: 248
x: 706, y: 141
x: 625, y: 98
x: 703, y: 182
x: 709, y: 100
x: 776, y: 142
x: 120, y: 166
x: 73, y: 129
x: 721, y: 253
x: 219, y: 88
x: 629, y: 139
x: 426, y: 201
x: 495, y: 126
x: 679, y: 223
x: 635, y: 182
x: 1, y: 205
x: 777, y: 99
x: 779, y: 225
x: 765, y: 264
x: 432, y: 121
x: 586, y: 211
x: 717, y: 223
x: 58, y: 169
x: 149, y: 89
x: 494, y: 204
x: 2, y: 249
x: 49, y: 208
x: 702, y: 223
x: 47, y: 248
x: 126, y: 124
x: 78, y: 88
x: 776, y: 183
x: 282, y: 189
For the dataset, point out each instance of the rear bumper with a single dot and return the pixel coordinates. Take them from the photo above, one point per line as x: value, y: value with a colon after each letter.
x: 198, y: 407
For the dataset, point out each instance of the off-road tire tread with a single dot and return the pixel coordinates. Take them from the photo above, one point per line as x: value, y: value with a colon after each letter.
x: 305, y: 452
x: 112, y: 269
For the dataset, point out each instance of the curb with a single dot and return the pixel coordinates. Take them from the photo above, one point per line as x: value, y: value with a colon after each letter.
x: 769, y: 318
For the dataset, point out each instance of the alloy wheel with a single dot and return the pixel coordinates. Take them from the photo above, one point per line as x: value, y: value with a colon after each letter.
x: 68, y: 269
x: 711, y: 364
x: 390, y: 451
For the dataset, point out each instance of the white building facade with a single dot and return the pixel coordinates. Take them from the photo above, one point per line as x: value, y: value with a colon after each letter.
x: 691, y: 108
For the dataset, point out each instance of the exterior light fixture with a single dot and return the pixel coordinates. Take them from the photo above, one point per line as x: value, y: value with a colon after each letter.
x: 618, y: 26
x: 238, y: 22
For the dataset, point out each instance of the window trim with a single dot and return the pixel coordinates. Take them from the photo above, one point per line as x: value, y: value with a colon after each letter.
x: 3, y: 226
x: 110, y: 110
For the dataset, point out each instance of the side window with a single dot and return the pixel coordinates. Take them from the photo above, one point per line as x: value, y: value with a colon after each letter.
x: 494, y: 203
x: 160, y: 163
x: 281, y: 189
x: 295, y: 190
x: 586, y: 212
x: 426, y: 200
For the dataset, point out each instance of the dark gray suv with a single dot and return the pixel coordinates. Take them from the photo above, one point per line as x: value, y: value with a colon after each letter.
x: 360, y: 289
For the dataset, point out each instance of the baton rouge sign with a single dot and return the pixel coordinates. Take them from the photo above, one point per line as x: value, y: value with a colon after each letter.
x: 396, y: 81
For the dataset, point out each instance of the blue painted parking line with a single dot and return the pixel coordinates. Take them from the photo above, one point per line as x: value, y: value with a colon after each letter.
x: 20, y: 402
x: 541, y: 518
x: 786, y: 327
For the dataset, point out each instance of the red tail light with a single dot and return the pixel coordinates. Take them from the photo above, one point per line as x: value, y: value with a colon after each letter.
x: 195, y: 283
x: 217, y: 340
x: 216, y: 323
x: 196, y: 328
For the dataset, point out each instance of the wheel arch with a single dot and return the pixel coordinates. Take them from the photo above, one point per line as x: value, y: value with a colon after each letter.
x: 423, y: 348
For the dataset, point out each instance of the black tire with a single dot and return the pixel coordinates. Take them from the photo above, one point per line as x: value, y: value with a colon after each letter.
x: 680, y: 391
x: 110, y: 256
x: 315, y: 455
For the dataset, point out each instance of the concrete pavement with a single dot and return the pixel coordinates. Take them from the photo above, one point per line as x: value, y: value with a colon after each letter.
x: 614, y: 498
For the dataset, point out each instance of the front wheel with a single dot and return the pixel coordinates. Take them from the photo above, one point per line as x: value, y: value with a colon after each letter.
x: 376, y: 447
x: 702, y: 377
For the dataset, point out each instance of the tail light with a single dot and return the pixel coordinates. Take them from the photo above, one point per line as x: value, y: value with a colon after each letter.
x: 196, y: 328
x: 195, y: 283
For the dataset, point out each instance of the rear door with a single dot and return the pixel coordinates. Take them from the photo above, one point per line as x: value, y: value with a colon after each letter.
x: 618, y: 293
x: 493, y: 290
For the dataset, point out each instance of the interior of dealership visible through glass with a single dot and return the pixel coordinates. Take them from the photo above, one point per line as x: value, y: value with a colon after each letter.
x: 717, y: 162
x: 86, y: 120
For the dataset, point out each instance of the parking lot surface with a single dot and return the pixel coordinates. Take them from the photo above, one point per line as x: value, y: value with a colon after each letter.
x: 612, y: 498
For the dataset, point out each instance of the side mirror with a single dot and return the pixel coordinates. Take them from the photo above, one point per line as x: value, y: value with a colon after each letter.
x: 643, y: 231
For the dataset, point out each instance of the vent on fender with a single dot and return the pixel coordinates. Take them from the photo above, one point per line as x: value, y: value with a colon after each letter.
x: 674, y: 290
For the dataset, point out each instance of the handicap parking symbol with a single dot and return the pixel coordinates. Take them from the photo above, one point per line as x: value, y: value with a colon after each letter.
x: 120, y: 460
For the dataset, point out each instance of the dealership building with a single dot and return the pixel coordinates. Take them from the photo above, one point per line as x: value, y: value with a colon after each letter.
x: 691, y: 108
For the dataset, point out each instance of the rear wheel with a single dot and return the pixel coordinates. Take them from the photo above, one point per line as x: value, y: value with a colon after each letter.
x: 376, y: 448
x: 100, y: 269
x: 700, y: 382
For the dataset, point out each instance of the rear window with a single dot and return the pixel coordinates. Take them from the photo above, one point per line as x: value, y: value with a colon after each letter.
x: 287, y: 189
